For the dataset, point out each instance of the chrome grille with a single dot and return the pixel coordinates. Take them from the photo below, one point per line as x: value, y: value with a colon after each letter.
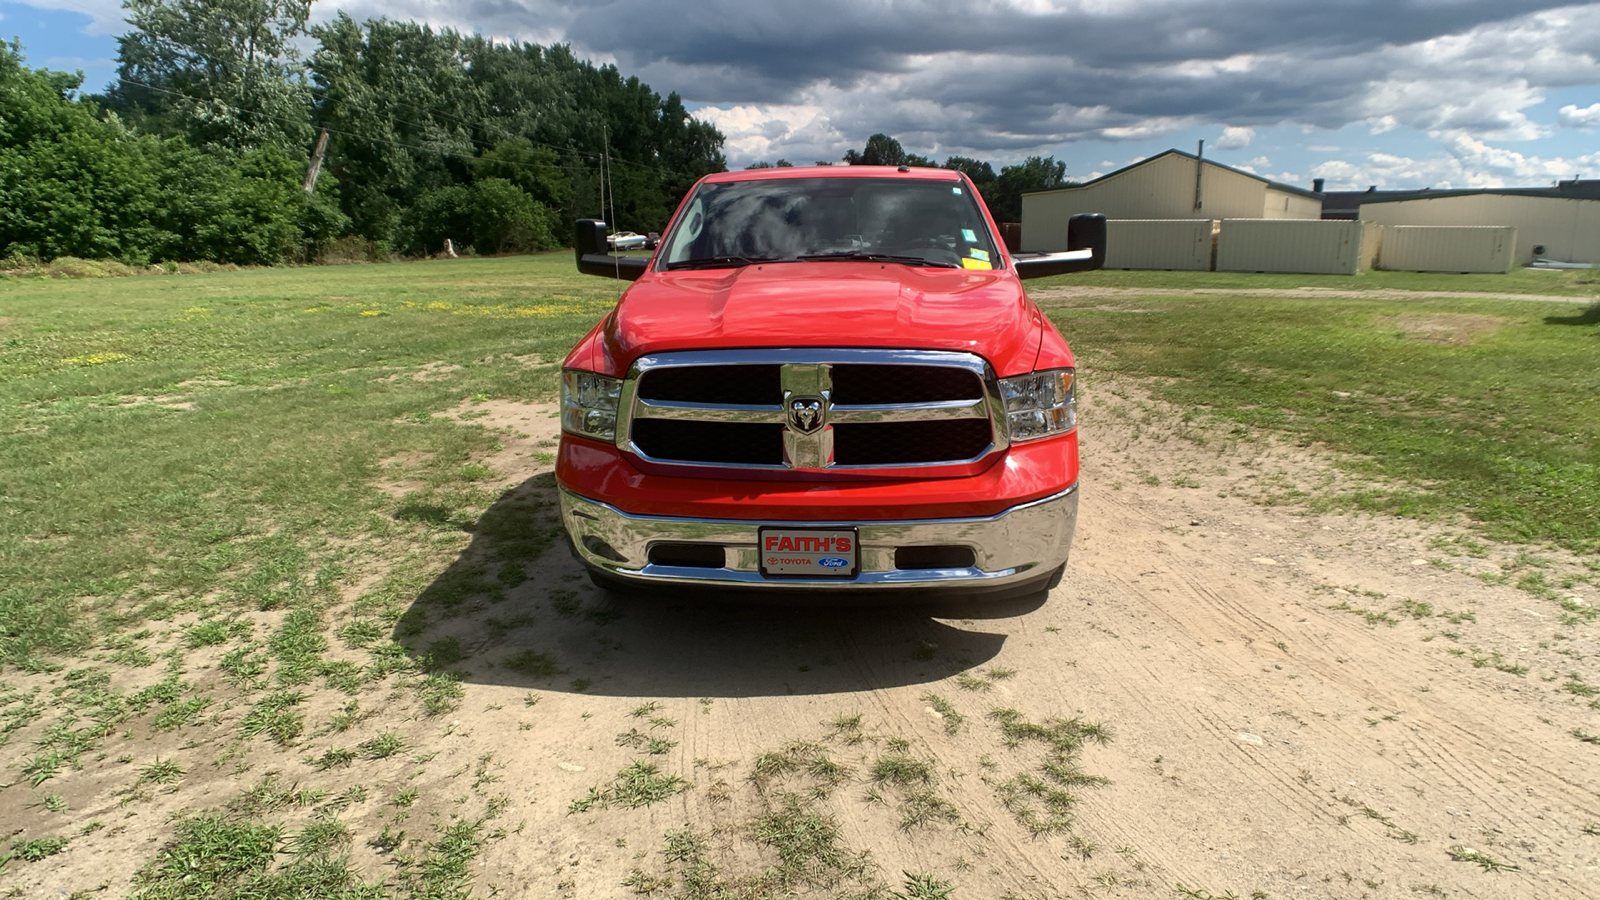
x: 811, y: 409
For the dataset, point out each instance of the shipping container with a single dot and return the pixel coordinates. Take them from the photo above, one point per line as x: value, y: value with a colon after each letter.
x: 1307, y: 246
x: 1448, y: 248
x: 1178, y: 244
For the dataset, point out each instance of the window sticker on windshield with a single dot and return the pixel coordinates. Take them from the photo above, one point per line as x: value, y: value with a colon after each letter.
x: 980, y: 255
x: 968, y: 235
x: 970, y: 263
x: 956, y: 191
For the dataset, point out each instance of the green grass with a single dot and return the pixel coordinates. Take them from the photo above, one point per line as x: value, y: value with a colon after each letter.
x: 1041, y: 798
x: 1549, y: 282
x: 168, y: 440
x: 638, y: 784
x: 1488, y: 408
x: 213, y: 442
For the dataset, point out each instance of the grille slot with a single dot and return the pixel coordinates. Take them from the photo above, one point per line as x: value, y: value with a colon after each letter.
x: 863, y: 384
x: 749, y: 384
x: 680, y: 553
x: 909, y: 443
x: 713, y: 442
x: 941, y: 556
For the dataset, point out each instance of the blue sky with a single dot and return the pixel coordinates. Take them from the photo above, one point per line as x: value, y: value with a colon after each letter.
x: 1393, y: 93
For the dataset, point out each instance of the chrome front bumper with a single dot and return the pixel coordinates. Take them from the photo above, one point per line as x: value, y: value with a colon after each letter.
x: 1024, y: 543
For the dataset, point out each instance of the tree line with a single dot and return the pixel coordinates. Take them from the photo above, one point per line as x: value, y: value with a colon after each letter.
x: 1002, y: 192
x: 202, y: 146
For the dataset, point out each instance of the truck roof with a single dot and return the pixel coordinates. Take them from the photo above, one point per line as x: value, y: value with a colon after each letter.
x: 917, y: 172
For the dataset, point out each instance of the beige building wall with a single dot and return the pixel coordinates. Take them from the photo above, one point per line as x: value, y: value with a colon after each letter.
x: 1284, y: 205
x: 1567, y: 227
x: 1160, y: 188
x: 1180, y: 244
x: 1448, y: 248
x: 1276, y: 245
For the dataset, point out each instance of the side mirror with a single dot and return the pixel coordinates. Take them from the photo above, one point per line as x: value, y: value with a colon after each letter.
x: 1086, y: 250
x: 589, y: 246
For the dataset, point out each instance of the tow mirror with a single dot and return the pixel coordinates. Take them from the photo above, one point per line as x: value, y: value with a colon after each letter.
x: 1086, y: 250
x: 595, y: 258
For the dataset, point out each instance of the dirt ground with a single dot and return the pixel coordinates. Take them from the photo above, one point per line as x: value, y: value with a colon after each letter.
x: 1289, y: 706
x: 1300, y: 705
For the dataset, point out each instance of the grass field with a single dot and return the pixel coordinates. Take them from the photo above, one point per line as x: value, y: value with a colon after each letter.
x: 196, y: 464
x: 167, y: 439
x: 1457, y: 405
x: 1582, y: 283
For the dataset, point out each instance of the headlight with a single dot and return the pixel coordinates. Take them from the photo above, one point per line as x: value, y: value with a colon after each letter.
x: 1039, y: 404
x: 589, y: 404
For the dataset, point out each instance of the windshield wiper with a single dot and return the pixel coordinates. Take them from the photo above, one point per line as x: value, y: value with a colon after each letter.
x: 870, y: 256
x: 717, y: 262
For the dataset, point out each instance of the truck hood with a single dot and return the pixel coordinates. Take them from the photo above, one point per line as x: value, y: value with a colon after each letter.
x: 824, y: 304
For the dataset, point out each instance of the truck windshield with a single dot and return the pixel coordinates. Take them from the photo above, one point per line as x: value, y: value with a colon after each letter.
x: 904, y: 220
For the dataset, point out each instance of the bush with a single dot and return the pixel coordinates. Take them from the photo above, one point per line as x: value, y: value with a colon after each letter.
x: 491, y: 216
x: 353, y: 249
x: 73, y: 184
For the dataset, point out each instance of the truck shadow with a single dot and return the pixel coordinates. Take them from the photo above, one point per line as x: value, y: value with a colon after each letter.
x: 516, y: 609
x: 1590, y: 316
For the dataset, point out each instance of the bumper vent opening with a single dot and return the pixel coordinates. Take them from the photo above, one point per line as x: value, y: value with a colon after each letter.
x: 942, y: 556
x: 602, y: 549
x: 697, y: 556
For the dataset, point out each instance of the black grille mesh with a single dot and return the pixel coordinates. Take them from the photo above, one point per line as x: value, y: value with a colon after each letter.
x: 753, y: 385
x: 871, y: 384
x: 716, y: 442
x: 906, y: 443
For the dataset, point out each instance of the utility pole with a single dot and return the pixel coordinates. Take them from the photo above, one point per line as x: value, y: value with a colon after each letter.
x: 315, y: 168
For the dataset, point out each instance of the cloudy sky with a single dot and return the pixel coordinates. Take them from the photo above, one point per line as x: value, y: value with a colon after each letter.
x: 1393, y: 93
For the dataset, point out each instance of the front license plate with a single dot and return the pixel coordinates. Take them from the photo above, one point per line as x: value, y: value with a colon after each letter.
x: 809, y: 552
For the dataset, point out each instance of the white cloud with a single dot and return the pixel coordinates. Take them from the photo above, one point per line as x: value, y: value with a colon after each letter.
x: 1573, y: 117
x: 1467, y: 163
x: 107, y: 16
x: 1235, y: 137
x: 801, y: 134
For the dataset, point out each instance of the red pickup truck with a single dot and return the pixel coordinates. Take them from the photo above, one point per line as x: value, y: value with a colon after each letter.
x: 825, y: 378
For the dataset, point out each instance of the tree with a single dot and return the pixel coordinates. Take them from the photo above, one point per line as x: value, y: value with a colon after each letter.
x: 536, y: 170
x: 1036, y: 173
x: 881, y: 150
x: 979, y: 171
x: 70, y: 184
x: 413, y: 110
x: 216, y: 71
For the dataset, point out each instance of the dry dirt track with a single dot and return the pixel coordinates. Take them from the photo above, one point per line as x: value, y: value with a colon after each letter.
x: 1301, y: 706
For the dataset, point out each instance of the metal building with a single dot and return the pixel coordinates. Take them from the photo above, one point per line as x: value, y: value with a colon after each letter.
x: 1171, y: 185
x: 1553, y: 223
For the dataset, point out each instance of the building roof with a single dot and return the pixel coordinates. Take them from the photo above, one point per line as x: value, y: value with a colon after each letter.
x: 1275, y: 185
x: 1349, y: 201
